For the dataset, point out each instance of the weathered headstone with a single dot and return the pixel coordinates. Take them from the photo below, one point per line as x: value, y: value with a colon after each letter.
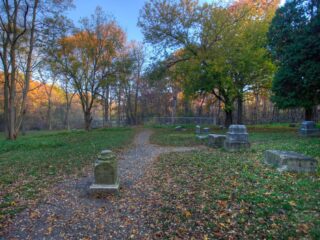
x: 178, y: 128
x: 237, y: 138
x: 290, y: 161
x: 106, y: 172
x: 308, y: 128
x: 216, y: 140
x: 198, y: 129
x: 206, y: 130
x: 202, y: 137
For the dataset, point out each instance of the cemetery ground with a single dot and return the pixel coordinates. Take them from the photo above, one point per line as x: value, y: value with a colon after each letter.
x: 203, y: 193
x: 33, y: 163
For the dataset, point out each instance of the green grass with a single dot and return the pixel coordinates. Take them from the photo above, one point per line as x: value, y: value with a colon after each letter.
x: 170, y: 137
x: 35, y: 161
x: 216, y: 194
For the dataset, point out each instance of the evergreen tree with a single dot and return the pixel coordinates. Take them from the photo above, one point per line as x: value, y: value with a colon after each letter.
x: 294, y: 39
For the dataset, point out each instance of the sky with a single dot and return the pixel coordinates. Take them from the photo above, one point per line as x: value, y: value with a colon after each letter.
x: 126, y: 12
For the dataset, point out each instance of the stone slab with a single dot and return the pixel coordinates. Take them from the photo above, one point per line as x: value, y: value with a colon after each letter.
x: 206, y: 130
x: 309, y: 129
x: 202, y: 137
x: 105, y: 187
x: 198, y: 129
x: 216, y: 140
x: 178, y: 128
x: 290, y: 161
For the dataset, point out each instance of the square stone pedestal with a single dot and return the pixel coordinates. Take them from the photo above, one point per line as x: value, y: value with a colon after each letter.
x: 198, y: 130
x: 237, y: 138
x: 178, y: 128
x: 106, y: 173
x: 216, y: 140
x: 290, y: 161
x: 309, y: 129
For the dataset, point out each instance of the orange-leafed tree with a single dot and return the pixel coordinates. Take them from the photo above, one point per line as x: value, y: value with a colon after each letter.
x: 21, y: 28
x: 87, y: 56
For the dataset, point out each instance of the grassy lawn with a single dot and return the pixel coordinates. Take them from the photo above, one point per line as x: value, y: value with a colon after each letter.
x: 33, y: 162
x: 214, y: 194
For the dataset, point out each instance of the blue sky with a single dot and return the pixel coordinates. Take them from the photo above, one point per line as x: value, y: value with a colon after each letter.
x: 126, y: 13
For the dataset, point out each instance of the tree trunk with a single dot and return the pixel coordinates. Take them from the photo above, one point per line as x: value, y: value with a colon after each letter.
x: 174, y: 109
x: 240, y: 110
x: 119, y: 109
x: 219, y: 112
x: 87, y: 120
x: 67, y: 120
x: 106, y: 104
x: 256, y: 109
x: 308, y: 114
x: 228, y: 120
x: 49, y: 114
x: 136, y: 101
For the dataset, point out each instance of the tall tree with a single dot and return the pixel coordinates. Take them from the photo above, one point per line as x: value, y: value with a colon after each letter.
x: 138, y: 54
x: 21, y: 23
x: 294, y: 40
x: 87, y: 56
x: 213, y: 44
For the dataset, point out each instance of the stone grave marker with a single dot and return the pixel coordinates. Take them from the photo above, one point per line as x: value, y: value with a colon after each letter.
x: 309, y: 129
x: 237, y: 138
x: 178, y: 128
x: 198, y: 130
x: 106, y: 172
x: 290, y: 161
x: 216, y: 140
x: 206, y: 130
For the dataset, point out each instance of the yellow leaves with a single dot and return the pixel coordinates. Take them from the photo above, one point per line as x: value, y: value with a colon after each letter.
x: 86, y: 238
x: 222, y: 225
x: 292, y: 204
x: 34, y: 214
x: 304, y: 228
x: 222, y: 204
x: 187, y: 214
x: 49, y: 230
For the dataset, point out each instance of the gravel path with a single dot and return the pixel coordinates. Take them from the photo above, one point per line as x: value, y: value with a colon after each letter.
x: 71, y: 212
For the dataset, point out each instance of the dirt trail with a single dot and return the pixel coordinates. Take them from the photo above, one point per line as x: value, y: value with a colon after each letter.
x: 71, y: 212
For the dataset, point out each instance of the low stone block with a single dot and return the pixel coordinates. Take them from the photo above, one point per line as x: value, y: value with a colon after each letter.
x: 290, y: 161
x: 309, y: 129
x: 237, y: 138
x: 178, y: 128
x: 206, y: 130
x: 106, y: 172
x: 216, y: 140
x: 198, y: 129
x: 202, y: 137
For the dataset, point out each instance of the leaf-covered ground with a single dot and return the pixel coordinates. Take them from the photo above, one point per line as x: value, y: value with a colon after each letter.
x: 202, y: 194
x: 214, y: 194
x: 33, y: 163
x: 70, y: 211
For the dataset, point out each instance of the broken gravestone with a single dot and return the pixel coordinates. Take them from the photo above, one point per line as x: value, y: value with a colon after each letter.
x: 290, y: 161
x: 106, y: 172
x: 308, y: 129
x: 237, y: 138
x: 216, y: 140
